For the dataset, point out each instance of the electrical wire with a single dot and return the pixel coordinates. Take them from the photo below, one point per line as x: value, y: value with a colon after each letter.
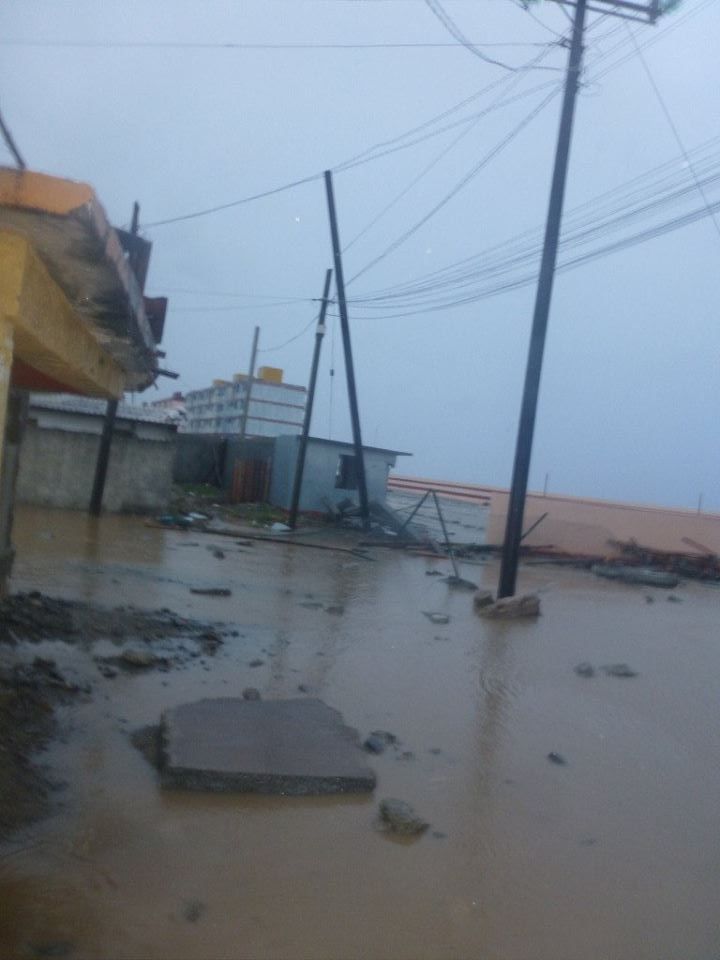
x: 671, y: 123
x: 11, y: 145
x: 452, y: 28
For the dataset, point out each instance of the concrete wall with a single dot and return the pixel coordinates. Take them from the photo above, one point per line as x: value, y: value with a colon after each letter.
x: 320, y: 471
x: 200, y: 458
x: 57, y: 464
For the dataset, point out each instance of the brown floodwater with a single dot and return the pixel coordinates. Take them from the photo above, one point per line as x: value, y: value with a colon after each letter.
x: 615, y: 855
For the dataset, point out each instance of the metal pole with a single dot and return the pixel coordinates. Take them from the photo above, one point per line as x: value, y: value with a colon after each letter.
x: 302, y: 449
x: 347, y: 348
x: 103, y: 457
x: 526, y: 429
x: 414, y: 510
x: 246, y: 408
x: 447, y: 539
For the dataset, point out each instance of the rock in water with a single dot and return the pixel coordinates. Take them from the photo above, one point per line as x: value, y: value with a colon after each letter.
x: 585, y: 670
x: 399, y: 817
x: 483, y: 598
x: 511, y: 608
x: 619, y: 670
x: 557, y: 758
x: 251, y: 693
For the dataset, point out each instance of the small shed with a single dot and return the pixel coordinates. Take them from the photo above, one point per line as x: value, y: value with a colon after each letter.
x: 330, y: 475
x: 59, y: 450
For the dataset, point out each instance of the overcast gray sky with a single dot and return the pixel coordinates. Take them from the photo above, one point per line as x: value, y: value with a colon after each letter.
x: 630, y: 387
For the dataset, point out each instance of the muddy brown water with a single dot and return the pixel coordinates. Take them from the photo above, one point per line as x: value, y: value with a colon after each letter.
x: 615, y: 855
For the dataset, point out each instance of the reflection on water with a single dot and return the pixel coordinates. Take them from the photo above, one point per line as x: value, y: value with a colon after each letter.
x: 615, y: 855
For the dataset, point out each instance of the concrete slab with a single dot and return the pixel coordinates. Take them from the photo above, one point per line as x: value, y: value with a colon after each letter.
x: 291, y: 747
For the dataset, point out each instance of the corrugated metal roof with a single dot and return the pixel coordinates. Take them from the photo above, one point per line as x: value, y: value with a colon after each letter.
x: 92, y: 407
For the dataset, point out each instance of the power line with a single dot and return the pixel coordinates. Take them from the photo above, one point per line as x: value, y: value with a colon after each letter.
x: 671, y: 124
x: 458, y: 186
x: 452, y: 28
x: 292, y: 339
x: 11, y: 145
x: 231, y: 45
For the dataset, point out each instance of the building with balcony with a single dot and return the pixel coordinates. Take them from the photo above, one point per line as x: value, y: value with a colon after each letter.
x: 275, y: 408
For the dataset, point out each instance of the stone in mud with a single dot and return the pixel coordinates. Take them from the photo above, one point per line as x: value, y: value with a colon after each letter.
x: 397, y: 816
x: 251, y: 693
x: 585, y: 670
x: 138, y: 658
x: 512, y: 608
x: 436, y: 617
x: 193, y: 909
x: 483, y: 598
x: 290, y: 747
x: 619, y: 670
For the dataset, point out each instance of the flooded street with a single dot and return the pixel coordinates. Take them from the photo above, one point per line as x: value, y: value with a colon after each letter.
x: 614, y: 855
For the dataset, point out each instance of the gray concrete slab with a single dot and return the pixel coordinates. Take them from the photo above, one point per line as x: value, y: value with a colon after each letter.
x: 291, y: 747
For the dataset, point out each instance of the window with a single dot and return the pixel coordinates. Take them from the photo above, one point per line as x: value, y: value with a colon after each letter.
x: 346, y: 473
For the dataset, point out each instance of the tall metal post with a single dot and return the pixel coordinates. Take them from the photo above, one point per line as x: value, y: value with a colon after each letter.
x: 302, y: 448
x: 103, y: 457
x: 528, y: 410
x: 246, y: 407
x: 347, y: 349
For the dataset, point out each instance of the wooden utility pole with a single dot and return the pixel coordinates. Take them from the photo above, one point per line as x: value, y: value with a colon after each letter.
x: 647, y: 12
x: 302, y: 448
x: 103, y: 457
x: 347, y: 349
x: 248, y: 392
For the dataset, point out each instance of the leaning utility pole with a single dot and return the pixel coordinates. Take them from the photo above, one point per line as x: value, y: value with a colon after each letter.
x: 246, y: 406
x: 647, y: 12
x: 302, y: 448
x: 103, y: 457
x: 347, y: 348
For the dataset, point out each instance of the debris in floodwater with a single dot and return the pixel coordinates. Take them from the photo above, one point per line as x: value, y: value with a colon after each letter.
x: 459, y: 584
x: 649, y: 598
x: 211, y: 591
x: 338, y: 609
x: 636, y: 575
x: 557, y: 758
x: 51, y: 948
x: 619, y: 670
x: 397, y: 816
x: 585, y: 670
x: 218, y: 554
x: 379, y: 740
x: 310, y: 604
x: 193, y: 910
x: 256, y: 663
x: 436, y: 617
x: 673, y: 598
x: 511, y: 608
x: 251, y: 693
x: 138, y: 658
x: 433, y: 573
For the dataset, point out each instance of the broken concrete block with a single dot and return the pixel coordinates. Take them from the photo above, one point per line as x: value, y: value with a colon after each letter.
x: 483, y: 598
x: 289, y: 747
x: 397, y: 816
x: 510, y: 608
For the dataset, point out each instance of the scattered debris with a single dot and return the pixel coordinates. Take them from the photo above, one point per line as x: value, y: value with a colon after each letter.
x: 397, y: 816
x: 673, y: 598
x: 257, y: 662
x: 310, y: 604
x: 251, y: 693
x: 218, y: 554
x: 147, y: 741
x: 557, y: 758
x: 619, y: 670
x: 585, y: 670
x: 510, y: 608
x: 649, y: 598
x: 635, y: 575
x: 704, y: 565
x: 433, y: 573
x: 439, y: 618
x: 280, y: 528
x: 55, y: 949
x: 459, y: 584
x: 338, y: 609
x: 211, y: 591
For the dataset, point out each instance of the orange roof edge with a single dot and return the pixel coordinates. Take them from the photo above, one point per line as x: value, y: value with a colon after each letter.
x: 39, y: 191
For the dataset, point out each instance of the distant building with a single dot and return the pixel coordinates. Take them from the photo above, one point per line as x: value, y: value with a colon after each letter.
x: 173, y: 407
x: 275, y: 407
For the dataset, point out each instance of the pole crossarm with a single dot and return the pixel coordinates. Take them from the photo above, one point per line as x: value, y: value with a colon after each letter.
x: 648, y: 12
